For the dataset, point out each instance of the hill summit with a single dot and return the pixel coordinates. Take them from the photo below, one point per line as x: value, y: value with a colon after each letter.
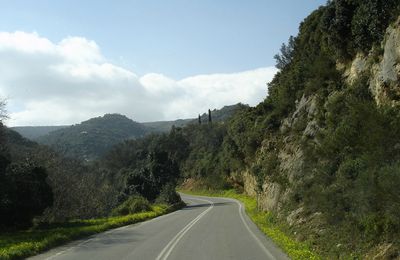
x: 92, y: 138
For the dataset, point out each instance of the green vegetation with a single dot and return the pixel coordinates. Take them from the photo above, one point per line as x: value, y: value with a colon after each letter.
x: 21, y: 244
x: 357, y: 25
x: 24, y: 192
x: 266, y: 222
x: 218, y: 115
x: 133, y: 204
x: 38, y: 185
x: 93, y: 138
x: 41, y: 192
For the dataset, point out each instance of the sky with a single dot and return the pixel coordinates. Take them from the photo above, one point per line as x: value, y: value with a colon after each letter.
x: 62, y: 62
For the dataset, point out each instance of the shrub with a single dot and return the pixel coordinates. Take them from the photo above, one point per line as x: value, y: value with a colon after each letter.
x: 168, y: 195
x: 133, y: 204
x: 25, y: 194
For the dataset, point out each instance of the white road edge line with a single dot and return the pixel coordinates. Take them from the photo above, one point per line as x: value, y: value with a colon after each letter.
x: 252, y: 233
x: 248, y: 228
x: 175, y: 240
x: 95, y: 236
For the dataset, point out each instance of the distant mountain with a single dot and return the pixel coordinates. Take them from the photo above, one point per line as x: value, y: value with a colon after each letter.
x: 217, y: 115
x: 92, y: 138
x: 223, y: 114
x: 165, y: 126
x: 33, y: 132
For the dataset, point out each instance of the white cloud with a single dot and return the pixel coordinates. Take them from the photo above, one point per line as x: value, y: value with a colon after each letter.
x: 49, y: 83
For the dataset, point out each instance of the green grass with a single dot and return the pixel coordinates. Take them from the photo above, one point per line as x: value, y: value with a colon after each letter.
x: 266, y: 223
x: 18, y: 245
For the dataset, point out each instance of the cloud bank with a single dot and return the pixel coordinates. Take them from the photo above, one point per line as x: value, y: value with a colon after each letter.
x: 49, y: 83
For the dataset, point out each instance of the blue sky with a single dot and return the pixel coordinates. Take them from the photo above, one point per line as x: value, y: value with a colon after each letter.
x: 178, y: 38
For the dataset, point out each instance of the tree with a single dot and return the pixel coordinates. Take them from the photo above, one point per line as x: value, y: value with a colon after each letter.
x: 285, y: 57
x: 25, y: 194
x: 3, y: 111
x: 149, y: 179
x: 209, y: 116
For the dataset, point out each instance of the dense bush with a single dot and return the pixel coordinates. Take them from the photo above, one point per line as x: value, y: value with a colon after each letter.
x: 168, y: 195
x: 24, y: 191
x: 134, y: 204
x: 357, y: 25
x: 26, y: 194
x: 356, y: 165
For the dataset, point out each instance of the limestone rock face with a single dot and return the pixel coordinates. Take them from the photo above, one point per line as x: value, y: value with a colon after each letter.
x: 385, y: 81
x: 382, y: 66
x: 250, y: 184
x: 271, y: 196
x: 383, y: 252
x: 358, y: 66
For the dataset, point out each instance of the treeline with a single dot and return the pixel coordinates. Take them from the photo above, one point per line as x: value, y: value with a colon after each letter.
x: 93, y: 138
x: 38, y: 183
x: 39, y: 186
x: 145, y: 169
x: 24, y: 192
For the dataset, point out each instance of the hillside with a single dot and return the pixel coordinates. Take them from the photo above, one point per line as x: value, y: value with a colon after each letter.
x: 218, y: 115
x: 165, y: 126
x: 37, y: 132
x: 223, y: 114
x: 92, y: 138
x: 34, y: 132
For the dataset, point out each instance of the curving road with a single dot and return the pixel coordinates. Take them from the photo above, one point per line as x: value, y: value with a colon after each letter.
x: 208, y: 228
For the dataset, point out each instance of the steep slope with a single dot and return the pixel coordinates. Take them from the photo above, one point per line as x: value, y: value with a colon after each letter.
x: 328, y: 164
x: 92, y: 138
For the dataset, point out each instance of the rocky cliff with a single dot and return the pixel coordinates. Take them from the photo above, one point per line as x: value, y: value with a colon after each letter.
x: 301, y: 130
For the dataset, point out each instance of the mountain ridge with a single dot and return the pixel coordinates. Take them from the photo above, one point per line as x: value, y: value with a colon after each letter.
x: 35, y: 132
x: 94, y: 137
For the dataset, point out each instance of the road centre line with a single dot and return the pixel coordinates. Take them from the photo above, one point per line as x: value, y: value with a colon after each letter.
x: 175, y: 240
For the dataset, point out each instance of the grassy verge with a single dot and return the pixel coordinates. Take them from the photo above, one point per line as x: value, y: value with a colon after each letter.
x: 266, y: 222
x: 18, y: 245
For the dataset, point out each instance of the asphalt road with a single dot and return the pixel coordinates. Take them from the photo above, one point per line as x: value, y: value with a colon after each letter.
x: 208, y: 228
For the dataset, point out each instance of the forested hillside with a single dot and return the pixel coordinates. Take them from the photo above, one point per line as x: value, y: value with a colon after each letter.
x: 94, y: 137
x: 218, y: 115
x: 40, y: 185
x: 34, y: 132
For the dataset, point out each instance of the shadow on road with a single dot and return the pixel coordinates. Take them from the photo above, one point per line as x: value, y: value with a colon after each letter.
x: 207, y: 205
x: 108, y: 240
